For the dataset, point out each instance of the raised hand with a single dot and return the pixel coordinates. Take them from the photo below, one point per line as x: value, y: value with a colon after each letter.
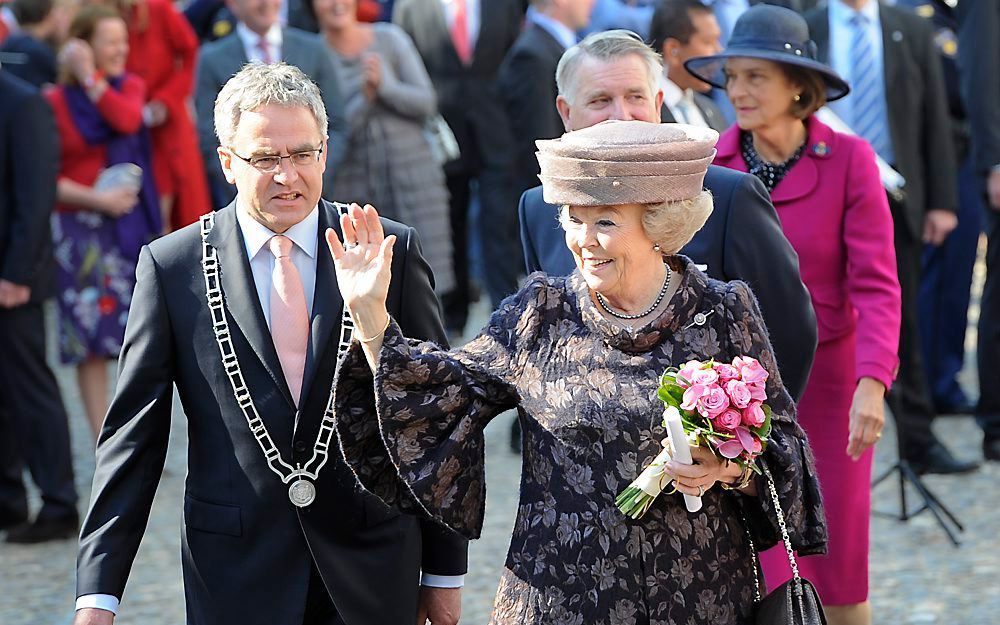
x: 364, y: 268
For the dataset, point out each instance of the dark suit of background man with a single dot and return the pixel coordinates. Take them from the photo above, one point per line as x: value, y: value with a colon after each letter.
x: 259, y: 37
x: 33, y: 427
x: 946, y: 276
x: 681, y: 29
x: 742, y: 239
x: 902, y: 111
x: 979, y: 50
x: 249, y: 556
x: 527, y: 84
x: 462, y: 44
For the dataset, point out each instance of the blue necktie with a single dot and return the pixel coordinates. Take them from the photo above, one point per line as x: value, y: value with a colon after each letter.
x: 868, y: 112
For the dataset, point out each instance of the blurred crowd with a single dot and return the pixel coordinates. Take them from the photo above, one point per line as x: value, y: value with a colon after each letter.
x: 107, y: 142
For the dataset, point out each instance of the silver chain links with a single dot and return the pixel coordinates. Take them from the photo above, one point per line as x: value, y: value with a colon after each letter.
x: 230, y: 362
x: 784, y: 537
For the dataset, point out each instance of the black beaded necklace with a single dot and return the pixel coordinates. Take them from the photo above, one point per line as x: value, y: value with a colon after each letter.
x: 769, y: 173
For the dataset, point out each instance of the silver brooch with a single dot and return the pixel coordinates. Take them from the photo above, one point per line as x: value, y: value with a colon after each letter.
x: 699, y: 319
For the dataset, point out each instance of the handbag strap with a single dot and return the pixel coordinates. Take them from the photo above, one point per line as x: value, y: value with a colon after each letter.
x: 784, y: 537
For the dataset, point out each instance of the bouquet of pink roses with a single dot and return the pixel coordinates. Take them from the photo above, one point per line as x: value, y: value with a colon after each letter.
x: 721, y: 408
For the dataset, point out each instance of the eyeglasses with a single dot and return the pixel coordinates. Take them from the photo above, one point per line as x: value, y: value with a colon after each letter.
x: 268, y: 164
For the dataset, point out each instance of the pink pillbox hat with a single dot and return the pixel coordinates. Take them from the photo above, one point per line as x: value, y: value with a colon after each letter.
x: 626, y: 162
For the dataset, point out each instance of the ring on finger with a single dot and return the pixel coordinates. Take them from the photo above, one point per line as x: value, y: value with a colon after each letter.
x: 878, y: 435
x: 701, y: 490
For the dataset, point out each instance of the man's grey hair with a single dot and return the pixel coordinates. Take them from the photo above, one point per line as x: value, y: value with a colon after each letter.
x: 257, y: 85
x: 606, y: 46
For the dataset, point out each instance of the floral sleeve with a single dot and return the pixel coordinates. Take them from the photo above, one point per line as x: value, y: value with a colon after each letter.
x: 413, y: 433
x: 788, y: 455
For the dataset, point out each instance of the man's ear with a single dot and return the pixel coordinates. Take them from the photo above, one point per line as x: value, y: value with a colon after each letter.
x: 658, y: 99
x: 562, y: 105
x: 322, y: 158
x: 226, y: 160
x: 671, y: 52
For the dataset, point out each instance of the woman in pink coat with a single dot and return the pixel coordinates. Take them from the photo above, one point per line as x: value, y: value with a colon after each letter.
x: 825, y: 186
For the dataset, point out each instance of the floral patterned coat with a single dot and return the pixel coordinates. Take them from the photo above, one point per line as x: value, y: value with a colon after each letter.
x: 585, y: 391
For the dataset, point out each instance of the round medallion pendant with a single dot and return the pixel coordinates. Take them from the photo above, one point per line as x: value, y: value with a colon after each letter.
x: 302, y: 493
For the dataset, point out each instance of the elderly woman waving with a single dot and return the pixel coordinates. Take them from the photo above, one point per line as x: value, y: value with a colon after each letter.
x: 581, y: 359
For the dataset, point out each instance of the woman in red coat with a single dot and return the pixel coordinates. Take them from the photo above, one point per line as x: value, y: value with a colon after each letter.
x: 162, y: 51
x: 99, y: 224
x: 833, y: 209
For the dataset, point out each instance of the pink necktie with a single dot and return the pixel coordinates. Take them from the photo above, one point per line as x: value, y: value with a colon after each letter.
x: 460, y: 33
x: 289, y: 318
x: 265, y: 51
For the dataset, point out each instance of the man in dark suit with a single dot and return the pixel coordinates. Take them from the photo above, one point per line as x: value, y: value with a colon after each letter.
x: 946, y: 276
x: 527, y: 84
x: 898, y: 103
x: 243, y: 314
x: 462, y: 44
x: 682, y: 29
x: 33, y: 426
x: 742, y: 238
x: 259, y: 38
x: 212, y: 19
x: 979, y: 57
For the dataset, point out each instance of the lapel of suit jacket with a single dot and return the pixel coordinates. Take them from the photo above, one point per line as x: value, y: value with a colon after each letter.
x: 240, y: 294
x: 328, y: 305
x: 895, y: 86
x: 437, y: 21
x: 232, y: 56
x: 666, y: 115
x: 291, y: 51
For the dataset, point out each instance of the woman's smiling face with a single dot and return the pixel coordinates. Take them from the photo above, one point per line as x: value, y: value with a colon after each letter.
x: 611, y: 248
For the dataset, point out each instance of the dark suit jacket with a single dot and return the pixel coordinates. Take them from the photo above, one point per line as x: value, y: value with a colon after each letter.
x: 742, y: 240
x: 39, y: 66
x: 219, y: 60
x: 979, y: 58
x: 708, y: 109
x: 467, y: 95
x: 919, y: 122
x: 29, y: 164
x: 246, y: 551
x: 527, y: 84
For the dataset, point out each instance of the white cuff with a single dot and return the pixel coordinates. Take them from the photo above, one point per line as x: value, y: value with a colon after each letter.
x: 101, y: 602
x: 442, y: 581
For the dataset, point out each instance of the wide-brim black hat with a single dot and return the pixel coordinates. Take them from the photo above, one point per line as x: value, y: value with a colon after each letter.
x: 771, y: 33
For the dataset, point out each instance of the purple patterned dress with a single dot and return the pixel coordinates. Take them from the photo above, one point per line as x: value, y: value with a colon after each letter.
x: 585, y: 393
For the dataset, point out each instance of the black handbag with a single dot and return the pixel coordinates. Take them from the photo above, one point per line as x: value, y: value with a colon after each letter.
x: 795, y: 602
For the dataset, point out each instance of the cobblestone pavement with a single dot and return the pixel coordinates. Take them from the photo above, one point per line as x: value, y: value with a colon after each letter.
x: 918, y: 577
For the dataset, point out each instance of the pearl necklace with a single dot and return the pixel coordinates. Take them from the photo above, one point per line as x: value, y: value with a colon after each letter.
x: 659, y: 298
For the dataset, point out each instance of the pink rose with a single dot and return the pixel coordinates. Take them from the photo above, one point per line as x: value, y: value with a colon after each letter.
x: 705, y: 376
x: 685, y: 377
x: 739, y: 392
x: 753, y: 415
x: 691, y: 396
x: 757, y: 391
x: 713, y: 402
x: 750, y: 369
x: 728, y: 420
x: 727, y: 373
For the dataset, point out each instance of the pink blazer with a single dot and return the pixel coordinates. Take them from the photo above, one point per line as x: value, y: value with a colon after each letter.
x: 834, y: 212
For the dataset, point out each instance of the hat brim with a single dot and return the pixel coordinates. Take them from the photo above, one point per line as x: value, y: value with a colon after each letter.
x: 710, y: 69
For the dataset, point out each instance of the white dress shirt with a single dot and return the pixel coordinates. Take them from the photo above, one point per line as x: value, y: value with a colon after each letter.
x: 841, y: 41
x: 472, y: 23
x: 681, y: 103
x: 305, y: 236
x: 250, y: 40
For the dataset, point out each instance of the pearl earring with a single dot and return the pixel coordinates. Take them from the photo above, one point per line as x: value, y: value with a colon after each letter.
x: 797, y: 97
x: 656, y: 247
